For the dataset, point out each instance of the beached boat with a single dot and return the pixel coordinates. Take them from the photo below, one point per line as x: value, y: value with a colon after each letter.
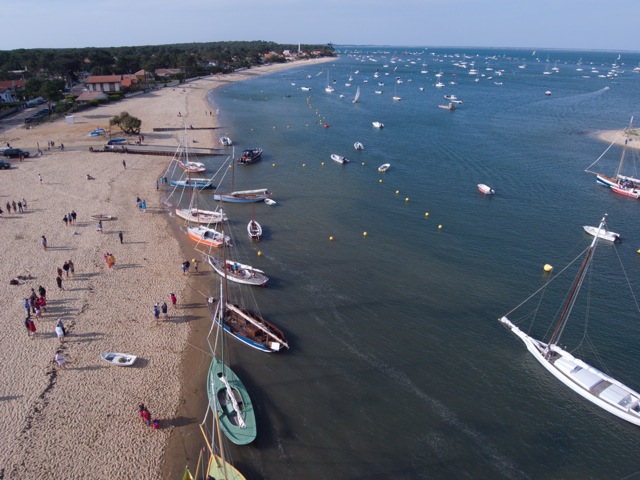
x: 237, y: 272
x: 377, y: 124
x: 592, y: 384
x: 602, y: 233
x: 358, y: 146
x: 193, y: 167
x: 207, y: 236
x: 225, y: 141
x: 338, y: 158
x: 250, y: 328
x: 103, y: 217
x: 250, y: 156
x: 119, y: 359
x: 384, y: 167
x: 485, y: 189
x: 621, y: 184
x: 197, y: 215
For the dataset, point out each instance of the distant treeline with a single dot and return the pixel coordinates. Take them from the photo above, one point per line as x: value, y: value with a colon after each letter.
x: 194, y: 59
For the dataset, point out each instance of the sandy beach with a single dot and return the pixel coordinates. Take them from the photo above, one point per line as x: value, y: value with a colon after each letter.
x: 82, y: 421
x: 619, y: 136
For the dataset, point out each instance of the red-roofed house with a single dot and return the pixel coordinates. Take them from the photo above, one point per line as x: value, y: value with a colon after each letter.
x: 9, y: 90
x: 104, y: 83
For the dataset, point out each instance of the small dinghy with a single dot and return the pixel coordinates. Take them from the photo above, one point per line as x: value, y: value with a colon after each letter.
x: 119, y: 359
x: 602, y: 233
x: 269, y: 201
x: 384, y: 167
x: 485, y: 189
x: 338, y: 158
x: 102, y: 216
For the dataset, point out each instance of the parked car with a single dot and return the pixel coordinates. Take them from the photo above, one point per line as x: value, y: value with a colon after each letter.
x: 4, y: 165
x: 15, y: 153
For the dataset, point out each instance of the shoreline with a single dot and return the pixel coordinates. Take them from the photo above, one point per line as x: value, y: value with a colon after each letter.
x: 83, y: 420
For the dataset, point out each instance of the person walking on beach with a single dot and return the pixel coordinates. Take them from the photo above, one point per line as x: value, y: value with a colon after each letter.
x: 72, y: 268
x: 124, y: 163
x: 40, y: 179
x: 60, y: 330
x: 73, y: 216
x: 27, y: 307
x: 99, y: 226
x: 173, y: 299
x: 195, y: 265
x: 15, y: 207
x: 145, y: 414
x: 24, y: 203
x: 65, y: 267
x: 121, y: 236
x: 156, y: 312
x: 43, y: 242
x: 65, y: 220
x: 31, y: 327
x: 20, y: 209
x: 165, y: 310
x: 8, y: 205
x: 59, y: 282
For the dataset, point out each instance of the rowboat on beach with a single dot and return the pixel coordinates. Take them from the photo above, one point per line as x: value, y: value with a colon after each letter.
x: 207, y: 236
x: 119, y: 359
x: 103, y: 217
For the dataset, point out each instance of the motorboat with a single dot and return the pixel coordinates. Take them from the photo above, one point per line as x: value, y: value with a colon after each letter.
x: 377, y: 124
x: 225, y: 141
x: 485, y: 189
x: 338, y: 158
x: 602, y: 233
x: 358, y: 146
x: 250, y: 156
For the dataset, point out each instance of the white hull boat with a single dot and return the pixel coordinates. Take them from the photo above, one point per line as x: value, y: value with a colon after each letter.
x: 197, y: 215
x: 592, y: 384
x: 384, y: 167
x: 358, y: 146
x: 377, y: 124
x: 485, y: 189
x: 119, y: 359
x: 338, y: 158
x: 238, y: 272
x: 254, y: 230
x: 601, y: 233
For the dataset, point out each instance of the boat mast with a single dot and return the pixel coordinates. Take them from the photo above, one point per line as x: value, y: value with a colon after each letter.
x: 624, y: 148
x: 575, y: 288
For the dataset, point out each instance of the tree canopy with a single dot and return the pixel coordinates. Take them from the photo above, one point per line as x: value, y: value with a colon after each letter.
x: 193, y: 58
x: 127, y: 123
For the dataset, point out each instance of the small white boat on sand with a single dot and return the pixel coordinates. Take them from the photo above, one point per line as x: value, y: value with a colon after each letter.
x: 602, y: 233
x: 103, y: 217
x: 338, y: 158
x: 384, y: 167
x: 119, y: 359
x: 485, y: 189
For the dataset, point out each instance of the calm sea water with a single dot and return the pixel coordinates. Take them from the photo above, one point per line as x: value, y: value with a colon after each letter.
x: 398, y: 366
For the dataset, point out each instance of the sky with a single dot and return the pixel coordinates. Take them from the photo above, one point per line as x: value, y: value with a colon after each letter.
x: 541, y: 24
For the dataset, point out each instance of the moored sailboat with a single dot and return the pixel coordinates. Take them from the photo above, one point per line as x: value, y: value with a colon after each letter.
x: 592, y: 384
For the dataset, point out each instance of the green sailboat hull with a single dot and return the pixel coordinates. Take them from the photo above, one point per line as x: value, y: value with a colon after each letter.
x: 221, y: 403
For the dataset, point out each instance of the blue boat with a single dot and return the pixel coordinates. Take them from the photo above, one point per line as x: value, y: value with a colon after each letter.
x: 192, y: 183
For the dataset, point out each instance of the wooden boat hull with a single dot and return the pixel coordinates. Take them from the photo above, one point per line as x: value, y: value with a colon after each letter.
x: 221, y: 403
x: 247, y: 196
x: 119, y: 359
x: 251, y: 329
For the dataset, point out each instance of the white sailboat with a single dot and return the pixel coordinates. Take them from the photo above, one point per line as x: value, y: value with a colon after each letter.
x: 357, y: 96
x: 329, y: 88
x: 592, y: 384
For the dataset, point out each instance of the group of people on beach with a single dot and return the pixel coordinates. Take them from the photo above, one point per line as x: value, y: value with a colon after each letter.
x: 18, y: 207
x: 70, y: 218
